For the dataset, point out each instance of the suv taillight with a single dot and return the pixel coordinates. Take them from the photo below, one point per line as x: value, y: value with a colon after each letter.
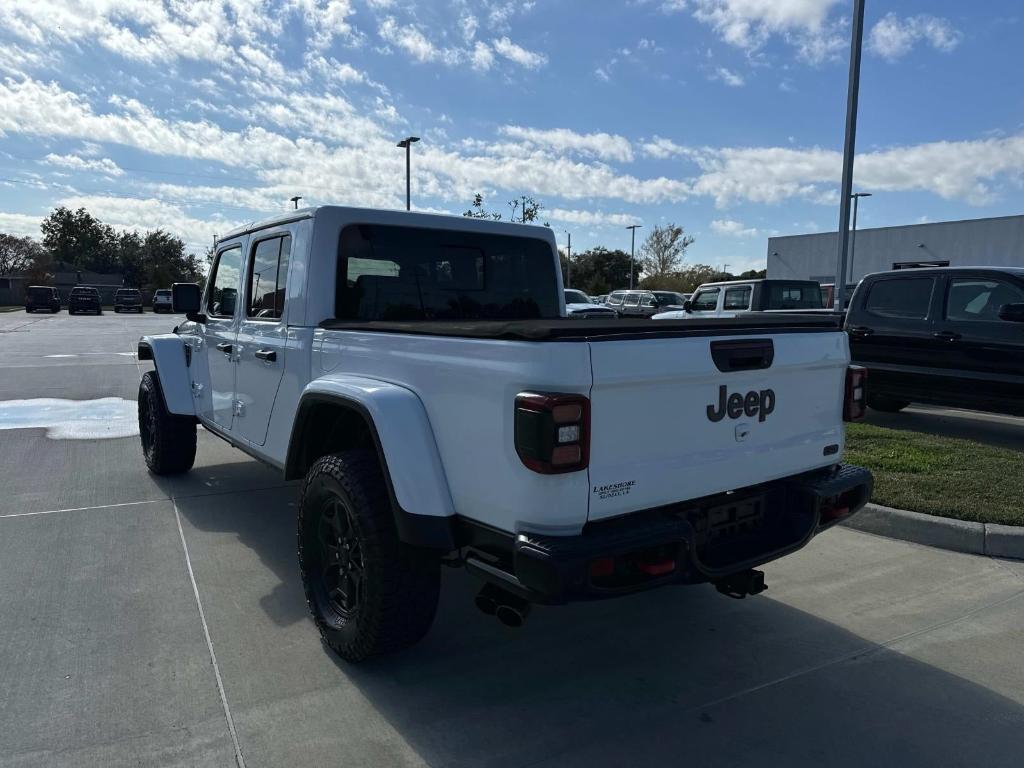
x: 552, y: 432
x: 855, y: 401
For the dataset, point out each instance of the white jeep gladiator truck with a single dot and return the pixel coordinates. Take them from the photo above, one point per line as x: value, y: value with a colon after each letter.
x: 419, y: 373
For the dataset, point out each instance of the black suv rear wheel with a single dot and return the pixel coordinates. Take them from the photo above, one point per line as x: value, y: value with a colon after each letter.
x: 369, y: 592
x: 887, y: 404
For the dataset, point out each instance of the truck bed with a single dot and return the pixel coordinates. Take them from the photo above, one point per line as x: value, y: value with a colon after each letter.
x: 567, y: 329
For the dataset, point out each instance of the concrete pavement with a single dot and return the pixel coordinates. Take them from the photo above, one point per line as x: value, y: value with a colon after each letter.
x: 864, y: 650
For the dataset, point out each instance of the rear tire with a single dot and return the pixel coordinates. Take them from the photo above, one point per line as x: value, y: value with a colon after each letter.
x: 886, y: 404
x: 168, y: 441
x: 369, y: 592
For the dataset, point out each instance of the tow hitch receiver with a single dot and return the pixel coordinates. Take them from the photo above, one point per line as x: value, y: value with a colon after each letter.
x: 741, y: 584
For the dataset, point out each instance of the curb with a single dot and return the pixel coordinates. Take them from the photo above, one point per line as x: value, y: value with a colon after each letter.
x: 944, y: 533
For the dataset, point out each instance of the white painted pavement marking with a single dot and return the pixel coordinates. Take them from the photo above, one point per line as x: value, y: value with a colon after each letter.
x: 105, y: 417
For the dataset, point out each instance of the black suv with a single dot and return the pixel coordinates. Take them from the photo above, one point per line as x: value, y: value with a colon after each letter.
x: 950, y: 336
x: 42, y: 297
x: 84, y: 299
x: 128, y: 300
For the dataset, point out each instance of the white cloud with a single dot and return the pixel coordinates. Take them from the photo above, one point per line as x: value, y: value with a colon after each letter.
x: 892, y: 37
x: 21, y: 224
x: 730, y: 78
x: 748, y: 24
x: 662, y: 148
x: 732, y: 228
x: 602, y: 74
x: 603, y: 145
x: 483, y: 57
x: 591, y: 218
x: 518, y: 54
x: 410, y: 39
x: 104, y: 165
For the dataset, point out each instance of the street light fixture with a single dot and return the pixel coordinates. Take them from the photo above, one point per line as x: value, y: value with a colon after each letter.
x: 295, y: 201
x: 406, y: 144
x: 632, y: 249
x: 853, y: 235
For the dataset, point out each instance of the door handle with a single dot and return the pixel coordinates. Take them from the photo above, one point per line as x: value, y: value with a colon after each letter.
x: 861, y: 331
x: 269, y: 355
x: 946, y: 335
x: 224, y: 347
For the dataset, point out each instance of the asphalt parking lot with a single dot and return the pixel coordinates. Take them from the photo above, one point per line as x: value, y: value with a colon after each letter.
x: 147, y: 621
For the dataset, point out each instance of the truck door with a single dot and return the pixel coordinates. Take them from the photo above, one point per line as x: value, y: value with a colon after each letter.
x: 981, y: 356
x: 262, y: 335
x: 705, y: 302
x: 222, y: 310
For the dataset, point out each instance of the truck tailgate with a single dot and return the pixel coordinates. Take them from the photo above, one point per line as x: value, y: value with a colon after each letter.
x: 659, y: 432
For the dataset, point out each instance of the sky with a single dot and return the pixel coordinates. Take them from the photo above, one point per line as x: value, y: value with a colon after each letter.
x: 722, y: 116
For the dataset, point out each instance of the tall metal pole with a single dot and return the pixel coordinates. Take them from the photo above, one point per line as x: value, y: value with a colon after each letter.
x: 632, y: 249
x: 853, y: 234
x: 568, y: 261
x: 408, y: 176
x: 856, y: 44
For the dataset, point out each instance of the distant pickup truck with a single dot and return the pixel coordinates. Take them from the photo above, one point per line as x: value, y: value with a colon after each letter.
x: 419, y: 374
x: 731, y: 298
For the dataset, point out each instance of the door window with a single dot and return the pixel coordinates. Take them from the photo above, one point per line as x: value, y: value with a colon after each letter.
x: 224, y: 282
x: 268, y: 273
x: 648, y: 301
x: 705, y: 301
x: 979, y: 298
x: 738, y: 298
x: 906, y: 298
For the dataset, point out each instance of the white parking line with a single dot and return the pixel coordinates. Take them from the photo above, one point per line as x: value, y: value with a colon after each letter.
x: 209, y: 644
x: 83, y: 509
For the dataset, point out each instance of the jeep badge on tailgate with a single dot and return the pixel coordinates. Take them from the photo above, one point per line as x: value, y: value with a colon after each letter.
x: 752, y: 404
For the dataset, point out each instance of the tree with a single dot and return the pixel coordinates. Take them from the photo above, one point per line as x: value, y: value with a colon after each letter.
x: 79, y: 238
x: 664, y: 250
x: 18, y: 254
x: 684, y: 280
x: 524, y: 210
x: 599, y: 270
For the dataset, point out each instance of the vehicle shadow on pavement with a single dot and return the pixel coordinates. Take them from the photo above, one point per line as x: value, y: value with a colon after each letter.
x: 680, y: 675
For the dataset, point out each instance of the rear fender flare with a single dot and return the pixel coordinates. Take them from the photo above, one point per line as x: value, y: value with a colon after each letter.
x: 171, y: 358
x: 404, y: 441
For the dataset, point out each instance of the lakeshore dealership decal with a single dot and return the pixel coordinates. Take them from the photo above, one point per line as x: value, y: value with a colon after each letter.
x: 611, y: 490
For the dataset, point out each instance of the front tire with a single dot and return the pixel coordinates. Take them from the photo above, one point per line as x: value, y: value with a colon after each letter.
x: 168, y: 441
x: 369, y: 592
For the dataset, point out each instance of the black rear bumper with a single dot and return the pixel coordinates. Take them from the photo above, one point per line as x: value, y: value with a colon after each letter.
x: 696, y: 541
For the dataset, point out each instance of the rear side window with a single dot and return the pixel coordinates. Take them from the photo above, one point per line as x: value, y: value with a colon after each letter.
x: 906, y: 298
x: 737, y: 298
x: 797, y: 296
x: 223, y: 296
x: 632, y: 300
x: 411, y: 273
x: 705, y: 301
x: 268, y: 273
x: 979, y: 299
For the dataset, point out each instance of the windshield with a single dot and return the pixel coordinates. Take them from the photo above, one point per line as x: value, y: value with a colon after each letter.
x: 576, y: 297
x: 40, y: 293
x: 128, y: 293
x: 163, y: 294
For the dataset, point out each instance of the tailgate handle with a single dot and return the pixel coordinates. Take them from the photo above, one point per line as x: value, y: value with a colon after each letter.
x: 743, y: 354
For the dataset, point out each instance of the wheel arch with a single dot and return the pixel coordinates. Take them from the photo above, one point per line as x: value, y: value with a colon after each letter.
x: 348, y: 413
x: 172, y: 358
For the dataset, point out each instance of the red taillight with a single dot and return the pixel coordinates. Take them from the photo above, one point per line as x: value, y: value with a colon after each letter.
x: 552, y: 432
x: 855, y: 401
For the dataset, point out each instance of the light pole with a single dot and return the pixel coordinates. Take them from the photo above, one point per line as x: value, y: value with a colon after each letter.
x: 295, y: 201
x: 853, y: 235
x: 852, y: 95
x: 568, y: 260
x: 407, y: 143
x: 632, y: 249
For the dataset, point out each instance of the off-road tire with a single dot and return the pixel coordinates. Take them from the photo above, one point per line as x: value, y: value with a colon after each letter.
x: 168, y: 441
x: 399, y: 584
x: 886, y: 404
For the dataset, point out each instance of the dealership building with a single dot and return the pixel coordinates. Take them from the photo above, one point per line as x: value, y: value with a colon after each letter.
x: 973, y: 242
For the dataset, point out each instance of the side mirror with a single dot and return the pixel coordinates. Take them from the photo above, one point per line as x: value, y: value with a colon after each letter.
x: 1013, y: 313
x: 687, y: 306
x: 187, y: 298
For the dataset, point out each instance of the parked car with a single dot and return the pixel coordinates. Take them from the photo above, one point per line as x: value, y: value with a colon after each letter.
x: 734, y: 297
x: 603, y: 298
x: 417, y: 372
x: 84, y: 298
x: 579, y: 306
x: 162, y: 300
x: 614, y: 299
x: 42, y: 297
x: 128, y: 300
x: 949, y: 336
x: 828, y: 291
